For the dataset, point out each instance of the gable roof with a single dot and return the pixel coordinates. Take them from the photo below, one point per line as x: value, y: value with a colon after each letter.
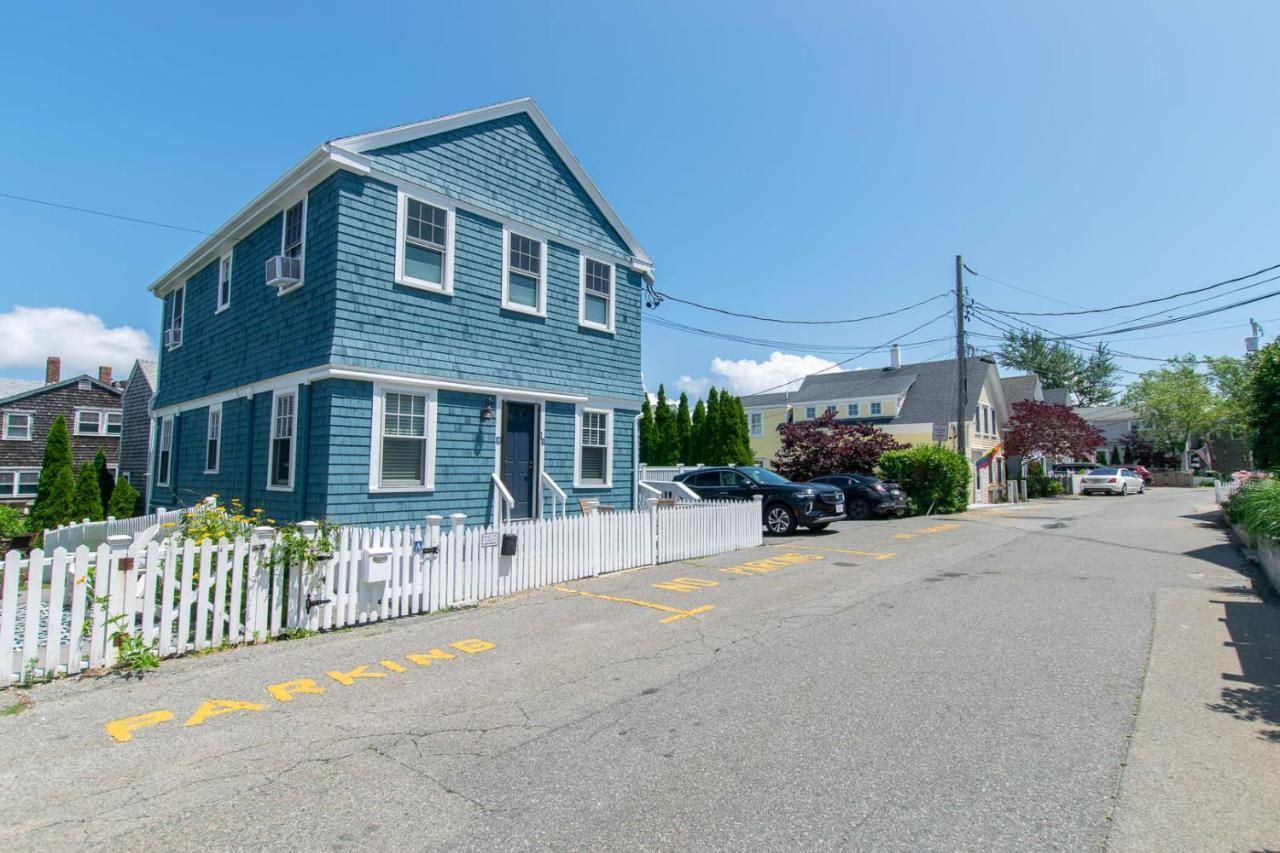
x: 144, y: 370
x: 1106, y: 414
x: 348, y: 153
x: 930, y: 387
x: 41, y: 388
x: 1020, y: 388
x: 762, y: 400
x: 850, y: 384
x: 12, y: 387
x: 1058, y: 396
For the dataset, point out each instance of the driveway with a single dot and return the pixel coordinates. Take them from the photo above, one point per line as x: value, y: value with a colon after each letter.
x: 1049, y: 676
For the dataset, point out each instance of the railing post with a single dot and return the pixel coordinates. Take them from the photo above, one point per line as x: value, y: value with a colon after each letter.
x: 118, y: 594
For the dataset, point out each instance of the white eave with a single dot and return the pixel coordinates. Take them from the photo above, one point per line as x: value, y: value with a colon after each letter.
x: 347, y: 153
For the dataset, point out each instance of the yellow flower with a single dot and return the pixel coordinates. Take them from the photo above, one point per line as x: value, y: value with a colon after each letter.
x: 168, y: 524
x: 271, y: 521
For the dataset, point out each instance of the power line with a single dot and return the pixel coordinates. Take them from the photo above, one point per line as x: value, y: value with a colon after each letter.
x: 832, y: 349
x: 102, y: 213
x: 663, y: 295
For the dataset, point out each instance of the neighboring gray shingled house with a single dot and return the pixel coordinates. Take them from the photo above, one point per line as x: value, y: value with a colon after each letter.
x: 1059, y: 396
x: 135, y: 441
x: 1018, y: 389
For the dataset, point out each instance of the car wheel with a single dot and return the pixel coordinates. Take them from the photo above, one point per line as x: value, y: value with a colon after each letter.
x: 1124, y: 490
x: 858, y: 510
x: 779, y: 520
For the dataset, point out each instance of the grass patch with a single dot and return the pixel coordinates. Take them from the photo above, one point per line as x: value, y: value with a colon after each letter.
x: 1256, y: 507
x: 12, y: 708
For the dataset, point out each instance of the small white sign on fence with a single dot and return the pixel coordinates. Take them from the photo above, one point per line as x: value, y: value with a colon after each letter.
x: 488, y: 540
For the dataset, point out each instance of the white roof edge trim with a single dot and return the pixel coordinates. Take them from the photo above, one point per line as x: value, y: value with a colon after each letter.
x: 320, y: 160
x: 363, y: 142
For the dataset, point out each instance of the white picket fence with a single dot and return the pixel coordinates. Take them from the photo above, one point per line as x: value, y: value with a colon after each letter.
x: 94, y: 533
x: 187, y: 596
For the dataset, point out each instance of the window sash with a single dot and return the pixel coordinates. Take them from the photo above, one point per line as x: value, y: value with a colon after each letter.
x: 810, y: 412
x: 114, y: 423
x: 853, y: 410
x: 757, y: 424
x: 28, y: 483
x: 525, y: 255
x: 282, y: 433
x: 213, y: 440
x: 877, y: 408
x: 294, y: 227
x: 831, y: 410
x: 17, y: 426
x: 593, y: 449
x: 166, y: 451
x: 88, y: 423
x: 224, y: 282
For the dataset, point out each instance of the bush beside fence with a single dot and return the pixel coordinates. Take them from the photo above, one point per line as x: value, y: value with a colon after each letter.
x: 180, y: 596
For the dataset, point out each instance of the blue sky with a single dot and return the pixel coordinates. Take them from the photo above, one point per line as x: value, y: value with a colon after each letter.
x: 807, y: 161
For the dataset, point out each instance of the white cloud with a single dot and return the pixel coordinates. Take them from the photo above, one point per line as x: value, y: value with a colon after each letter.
x: 748, y: 376
x: 81, y: 340
x: 695, y: 388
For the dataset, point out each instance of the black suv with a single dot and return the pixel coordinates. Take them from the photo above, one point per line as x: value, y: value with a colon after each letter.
x: 786, y: 504
x: 865, y: 495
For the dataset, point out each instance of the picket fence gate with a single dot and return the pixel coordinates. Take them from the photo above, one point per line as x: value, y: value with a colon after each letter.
x: 60, y: 611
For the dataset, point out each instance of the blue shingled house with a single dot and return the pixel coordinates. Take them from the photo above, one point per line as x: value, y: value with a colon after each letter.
x: 424, y: 319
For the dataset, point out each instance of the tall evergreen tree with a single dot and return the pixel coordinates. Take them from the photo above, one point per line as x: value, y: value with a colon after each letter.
x: 106, y: 482
x: 124, y: 500
x: 52, y: 506
x: 711, y: 430
x: 664, y: 431
x: 739, y: 435
x: 1115, y: 456
x: 698, y: 434
x: 646, y: 432
x: 86, y: 502
x: 684, y: 430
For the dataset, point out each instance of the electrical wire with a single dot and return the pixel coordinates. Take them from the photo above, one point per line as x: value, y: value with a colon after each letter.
x: 664, y: 295
x: 795, y: 346
x: 102, y: 213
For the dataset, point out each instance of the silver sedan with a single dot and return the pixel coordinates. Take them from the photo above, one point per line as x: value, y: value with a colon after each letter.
x: 1112, y: 481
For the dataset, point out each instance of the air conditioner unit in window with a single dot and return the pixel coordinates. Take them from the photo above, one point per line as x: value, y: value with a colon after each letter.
x: 173, y: 337
x: 283, y: 273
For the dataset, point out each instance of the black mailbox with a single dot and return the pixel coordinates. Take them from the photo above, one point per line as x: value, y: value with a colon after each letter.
x: 509, y: 544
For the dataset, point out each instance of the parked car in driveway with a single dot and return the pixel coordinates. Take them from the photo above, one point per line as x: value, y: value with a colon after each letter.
x: 1112, y: 481
x: 866, y: 496
x: 1147, y: 478
x: 786, y: 505
x: 1074, y: 468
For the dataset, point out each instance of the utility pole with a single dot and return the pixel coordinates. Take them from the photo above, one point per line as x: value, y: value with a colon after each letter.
x: 962, y: 375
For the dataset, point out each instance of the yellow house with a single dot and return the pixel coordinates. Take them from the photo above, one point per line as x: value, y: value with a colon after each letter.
x: 912, y: 402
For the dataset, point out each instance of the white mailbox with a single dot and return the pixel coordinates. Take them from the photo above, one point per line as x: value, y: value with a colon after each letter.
x: 376, y: 565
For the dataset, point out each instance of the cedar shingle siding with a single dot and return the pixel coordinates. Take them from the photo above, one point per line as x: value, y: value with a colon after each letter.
x: 137, y: 424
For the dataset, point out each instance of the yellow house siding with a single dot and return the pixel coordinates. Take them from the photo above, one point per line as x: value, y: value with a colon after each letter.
x: 765, y: 446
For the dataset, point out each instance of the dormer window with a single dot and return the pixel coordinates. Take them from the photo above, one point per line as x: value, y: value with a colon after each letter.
x: 877, y: 408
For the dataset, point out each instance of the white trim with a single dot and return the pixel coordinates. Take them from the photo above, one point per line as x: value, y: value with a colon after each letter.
x: 363, y: 142
x: 402, y: 206
x: 302, y: 247
x: 276, y: 396
x: 209, y: 436
x: 161, y: 450
x: 101, y: 431
x: 608, y: 326
x: 499, y: 413
x: 174, y: 318
x: 17, y: 473
x: 376, y: 426
x: 227, y: 258
x: 752, y: 430
x: 31, y: 424
x: 541, y: 309
x: 578, y: 411
x: 375, y: 375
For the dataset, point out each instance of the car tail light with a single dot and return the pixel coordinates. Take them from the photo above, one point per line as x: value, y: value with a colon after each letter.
x: 1112, y: 480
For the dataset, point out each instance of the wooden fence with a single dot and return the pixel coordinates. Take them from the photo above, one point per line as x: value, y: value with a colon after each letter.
x: 64, y: 611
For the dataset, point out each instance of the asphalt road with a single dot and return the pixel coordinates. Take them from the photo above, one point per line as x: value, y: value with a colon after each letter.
x: 1050, y: 676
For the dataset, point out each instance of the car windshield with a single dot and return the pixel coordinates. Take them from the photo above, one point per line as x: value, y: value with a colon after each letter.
x: 1105, y: 472
x: 765, y: 477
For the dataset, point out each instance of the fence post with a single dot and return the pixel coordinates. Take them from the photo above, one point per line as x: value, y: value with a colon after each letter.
x: 256, y: 623
x: 119, y: 598
x: 458, y: 578
x: 651, y: 504
x: 296, y: 612
x: 431, y: 564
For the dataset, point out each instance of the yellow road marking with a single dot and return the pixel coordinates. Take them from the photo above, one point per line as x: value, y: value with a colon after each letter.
x: 678, y: 613
x: 876, y: 554
x: 684, y: 584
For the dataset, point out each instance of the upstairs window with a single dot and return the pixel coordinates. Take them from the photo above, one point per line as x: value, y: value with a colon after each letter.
x: 17, y: 426
x: 424, y: 245
x: 524, y: 279
x: 224, y: 283
x: 831, y: 410
x: 595, y: 297
x: 853, y: 410
x: 97, y: 422
x: 877, y: 408
x: 165, y: 446
x: 295, y: 220
x: 19, y: 483
x: 177, y: 308
x: 213, y: 440
x: 757, y: 424
x: 284, y: 413
x: 810, y: 412
x: 594, y: 444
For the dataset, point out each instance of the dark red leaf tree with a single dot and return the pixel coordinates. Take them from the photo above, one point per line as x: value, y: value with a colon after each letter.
x: 823, y: 446
x: 1037, y: 427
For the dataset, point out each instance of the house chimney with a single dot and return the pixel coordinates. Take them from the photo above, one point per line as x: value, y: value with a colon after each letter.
x: 52, y: 370
x: 104, y: 374
x: 895, y: 357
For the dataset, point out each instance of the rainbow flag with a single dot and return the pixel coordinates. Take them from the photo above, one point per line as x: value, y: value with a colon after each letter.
x: 985, y: 461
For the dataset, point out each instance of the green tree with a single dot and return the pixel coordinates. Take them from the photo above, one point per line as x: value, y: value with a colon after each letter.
x: 1264, y: 407
x: 52, y: 506
x: 664, y: 431
x: 698, y: 434
x: 739, y: 434
x: 1128, y: 455
x: 1180, y: 404
x: 646, y: 432
x: 1114, y: 459
x: 1092, y: 379
x: 684, y: 431
x: 86, y: 501
x: 711, y: 449
x: 106, y: 482
x: 124, y: 500
x: 1101, y: 457
x: 937, y: 479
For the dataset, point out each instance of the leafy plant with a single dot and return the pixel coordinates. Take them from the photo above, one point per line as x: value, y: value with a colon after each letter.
x: 124, y: 500
x: 823, y: 446
x: 214, y: 521
x: 1256, y: 507
x: 133, y: 652
x: 12, y: 522
x: 52, y: 506
x: 1050, y: 430
x: 86, y: 501
x: 935, y: 478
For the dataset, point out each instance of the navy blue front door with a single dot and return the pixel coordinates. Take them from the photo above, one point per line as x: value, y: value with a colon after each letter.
x: 519, y: 455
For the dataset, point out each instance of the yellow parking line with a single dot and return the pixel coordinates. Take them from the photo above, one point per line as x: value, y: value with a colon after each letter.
x: 799, y: 547
x: 678, y: 614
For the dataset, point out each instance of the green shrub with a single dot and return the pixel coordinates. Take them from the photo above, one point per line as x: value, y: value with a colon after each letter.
x: 52, y: 506
x: 1037, y: 480
x: 935, y: 478
x: 1256, y: 507
x: 124, y: 501
x: 1053, y: 489
x: 12, y: 522
x: 86, y: 500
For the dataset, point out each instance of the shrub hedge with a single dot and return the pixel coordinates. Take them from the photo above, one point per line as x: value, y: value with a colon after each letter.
x: 935, y: 479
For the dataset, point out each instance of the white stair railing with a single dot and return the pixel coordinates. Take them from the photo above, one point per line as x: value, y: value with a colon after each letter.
x: 557, y: 494
x: 501, y: 499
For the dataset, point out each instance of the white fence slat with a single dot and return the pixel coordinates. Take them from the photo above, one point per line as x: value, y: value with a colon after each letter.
x: 98, y: 636
x: 236, y: 608
x: 79, y: 602
x: 9, y: 617
x: 220, y: 592
x: 57, y: 587
x: 168, y: 599
x: 203, y: 584
x: 151, y: 569
x: 277, y: 599
x: 186, y: 596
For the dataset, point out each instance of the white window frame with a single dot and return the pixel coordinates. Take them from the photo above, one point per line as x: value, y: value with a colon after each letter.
x: 608, y: 326
x: 402, y: 215
x: 276, y: 396
x: 755, y: 424
x: 877, y: 408
x: 164, y: 445
x: 177, y: 319
x: 810, y: 413
x: 225, y: 265
x: 832, y: 410
x: 17, y: 473
x: 376, y: 426
x: 541, y: 310
x: 577, y: 448
x: 852, y: 410
x: 212, y: 436
x: 102, y: 422
x: 302, y: 246
x: 31, y: 424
